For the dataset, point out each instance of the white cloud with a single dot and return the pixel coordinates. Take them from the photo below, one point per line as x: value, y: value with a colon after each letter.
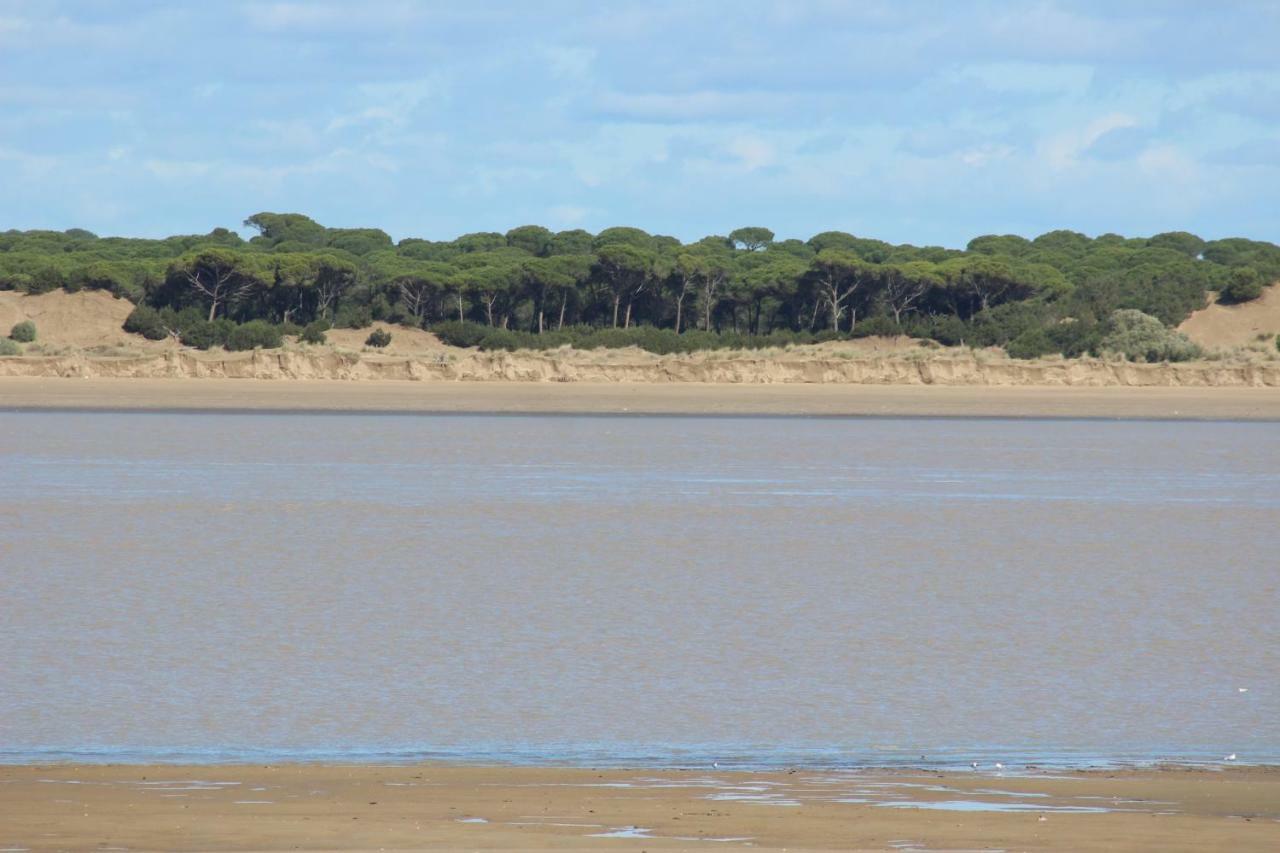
x: 752, y: 152
x: 1062, y: 151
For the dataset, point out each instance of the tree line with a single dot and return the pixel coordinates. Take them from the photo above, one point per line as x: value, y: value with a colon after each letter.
x: 1054, y: 293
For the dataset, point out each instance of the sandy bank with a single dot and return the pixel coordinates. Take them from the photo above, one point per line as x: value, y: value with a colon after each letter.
x: 805, y: 365
x: 432, y: 807
x: 668, y: 398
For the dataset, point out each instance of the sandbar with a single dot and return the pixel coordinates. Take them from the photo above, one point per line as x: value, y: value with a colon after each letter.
x: 361, y: 807
x: 686, y: 398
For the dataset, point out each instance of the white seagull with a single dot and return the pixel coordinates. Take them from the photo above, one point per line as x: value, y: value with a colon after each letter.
x: 1231, y: 757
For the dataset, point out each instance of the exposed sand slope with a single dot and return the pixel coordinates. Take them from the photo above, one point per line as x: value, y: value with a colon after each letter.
x: 311, y: 807
x: 404, y: 341
x: 70, y: 326
x: 86, y: 319
x: 799, y: 365
x: 1222, y: 326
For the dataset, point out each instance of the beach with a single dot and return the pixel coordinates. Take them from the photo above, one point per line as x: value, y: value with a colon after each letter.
x: 684, y: 398
x: 341, y: 807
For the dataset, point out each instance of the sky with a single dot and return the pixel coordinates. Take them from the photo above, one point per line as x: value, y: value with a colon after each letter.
x: 920, y: 122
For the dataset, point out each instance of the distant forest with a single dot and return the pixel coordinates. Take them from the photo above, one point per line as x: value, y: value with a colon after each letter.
x: 1056, y: 293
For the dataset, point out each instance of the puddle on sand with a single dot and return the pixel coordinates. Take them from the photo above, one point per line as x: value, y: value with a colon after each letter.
x: 624, y: 832
x: 470, y: 820
x: 980, y: 806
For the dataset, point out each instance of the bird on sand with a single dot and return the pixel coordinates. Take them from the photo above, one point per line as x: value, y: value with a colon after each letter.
x: 1231, y: 757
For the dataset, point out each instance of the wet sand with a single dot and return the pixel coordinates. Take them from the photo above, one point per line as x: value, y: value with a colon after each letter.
x: 312, y: 807
x: 614, y: 397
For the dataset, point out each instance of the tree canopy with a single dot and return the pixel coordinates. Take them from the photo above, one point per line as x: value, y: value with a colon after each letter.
x: 531, y: 279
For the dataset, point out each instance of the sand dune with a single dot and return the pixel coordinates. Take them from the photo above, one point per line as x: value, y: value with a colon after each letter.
x: 1223, y: 326
x: 75, y: 329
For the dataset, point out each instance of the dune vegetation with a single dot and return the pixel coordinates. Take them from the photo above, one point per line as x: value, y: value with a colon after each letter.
x: 531, y: 288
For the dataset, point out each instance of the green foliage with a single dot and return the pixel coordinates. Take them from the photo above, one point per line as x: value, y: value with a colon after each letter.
x: 460, y: 333
x: 1141, y: 337
x: 314, y: 331
x: 572, y: 286
x: 146, y: 321
x: 1070, y: 338
x: 256, y: 334
x: 9, y: 347
x: 1179, y: 241
x: 1243, y: 284
x: 24, y: 332
x: 751, y: 239
x: 378, y: 338
x: 353, y: 317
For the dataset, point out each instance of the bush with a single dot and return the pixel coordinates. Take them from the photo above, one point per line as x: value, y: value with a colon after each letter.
x: 1243, y: 284
x: 254, y: 335
x: 1070, y: 338
x: 146, y: 322
x: 458, y: 333
x: 353, y: 317
x: 9, y: 347
x: 1141, y: 337
x: 313, y: 333
x: 378, y: 338
x: 947, y: 329
x: 1032, y: 343
x: 204, y: 334
x: 24, y: 332
x: 880, y: 325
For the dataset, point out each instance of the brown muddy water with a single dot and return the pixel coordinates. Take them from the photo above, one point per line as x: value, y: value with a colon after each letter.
x: 637, y: 590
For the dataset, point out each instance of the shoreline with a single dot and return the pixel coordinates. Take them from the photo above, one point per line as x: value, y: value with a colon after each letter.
x: 434, y: 806
x: 625, y: 398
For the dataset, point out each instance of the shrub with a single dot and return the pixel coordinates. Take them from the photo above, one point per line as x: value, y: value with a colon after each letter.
x: 204, y: 334
x: 9, y: 347
x: 1032, y: 343
x: 1141, y: 337
x: 458, y: 333
x: 253, y: 335
x: 878, y: 325
x: 353, y: 317
x: 1243, y: 284
x: 313, y: 333
x: 24, y: 332
x: 1071, y: 338
x: 146, y: 322
x: 947, y: 329
x: 378, y: 338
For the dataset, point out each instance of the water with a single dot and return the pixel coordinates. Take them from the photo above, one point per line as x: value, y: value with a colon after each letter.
x: 637, y: 591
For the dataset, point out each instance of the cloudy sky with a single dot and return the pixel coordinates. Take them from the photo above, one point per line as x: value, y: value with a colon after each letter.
x: 924, y: 122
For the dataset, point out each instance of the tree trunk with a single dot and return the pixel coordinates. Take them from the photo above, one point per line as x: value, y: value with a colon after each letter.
x: 213, y: 309
x: 616, y: 301
x: 460, y: 319
x: 679, y: 311
x: 539, y: 321
x: 626, y: 323
x: 564, y: 300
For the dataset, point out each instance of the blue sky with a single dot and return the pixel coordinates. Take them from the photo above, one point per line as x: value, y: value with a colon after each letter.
x: 924, y: 122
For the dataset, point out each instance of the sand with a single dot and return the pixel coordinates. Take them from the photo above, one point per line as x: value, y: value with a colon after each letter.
x: 1224, y: 326
x: 83, y: 358
x: 310, y: 807
x: 634, y: 398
